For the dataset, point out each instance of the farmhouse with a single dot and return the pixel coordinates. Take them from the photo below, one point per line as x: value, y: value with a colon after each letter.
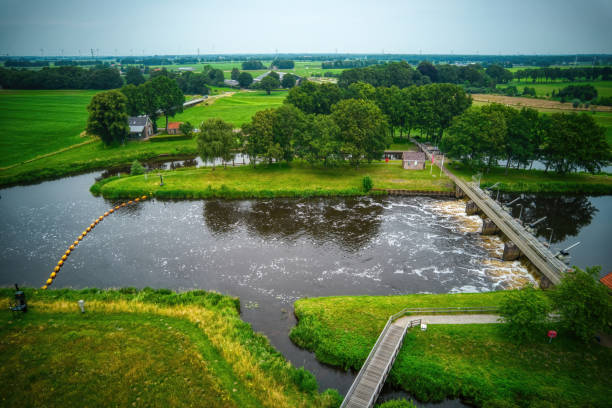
x: 413, y: 160
x: 140, y: 127
x: 173, y: 128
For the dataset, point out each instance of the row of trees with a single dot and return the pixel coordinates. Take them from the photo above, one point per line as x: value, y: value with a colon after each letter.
x: 564, y: 74
x: 428, y: 108
x: 348, y: 63
x: 160, y: 94
x: 481, y: 137
x: 70, y: 77
x: 355, y: 130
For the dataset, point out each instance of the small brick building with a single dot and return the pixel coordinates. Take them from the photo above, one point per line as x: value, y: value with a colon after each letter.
x: 173, y: 128
x: 413, y: 160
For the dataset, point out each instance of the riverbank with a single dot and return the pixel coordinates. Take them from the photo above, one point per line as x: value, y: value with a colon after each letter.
x: 474, y: 362
x: 277, y: 180
x: 537, y: 181
x: 148, y: 347
x: 94, y: 156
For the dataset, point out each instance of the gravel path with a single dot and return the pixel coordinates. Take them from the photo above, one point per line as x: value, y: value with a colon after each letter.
x: 450, y: 319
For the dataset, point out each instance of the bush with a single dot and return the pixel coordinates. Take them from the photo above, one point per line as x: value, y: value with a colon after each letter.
x: 525, y: 313
x: 136, y: 168
x: 576, y: 103
x: 367, y: 184
x: 400, y: 403
x: 167, y: 138
x: 305, y: 380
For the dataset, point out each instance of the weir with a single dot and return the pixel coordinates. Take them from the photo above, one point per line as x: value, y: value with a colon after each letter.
x: 522, y: 241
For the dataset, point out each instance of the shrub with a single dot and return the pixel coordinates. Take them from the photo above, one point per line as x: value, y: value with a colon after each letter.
x: 400, y: 403
x: 367, y: 183
x: 525, y: 313
x: 305, y: 380
x: 576, y: 103
x: 136, y: 168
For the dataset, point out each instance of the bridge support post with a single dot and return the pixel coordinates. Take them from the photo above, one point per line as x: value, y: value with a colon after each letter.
x: 545, y: 283
x: 471, y: 208
x: 489, y: 227
x: 511, y: 251
x: 459, y: 192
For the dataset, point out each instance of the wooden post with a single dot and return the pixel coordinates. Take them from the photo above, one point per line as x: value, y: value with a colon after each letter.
x: 489, y: 227
x: 511, y: 251
x: 471, y: 208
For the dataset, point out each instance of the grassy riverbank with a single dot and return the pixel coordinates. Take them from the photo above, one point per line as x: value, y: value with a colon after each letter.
x: 474, y: 362
x: 277, y: 180
x: 537, y: 181
x: 143, y: 348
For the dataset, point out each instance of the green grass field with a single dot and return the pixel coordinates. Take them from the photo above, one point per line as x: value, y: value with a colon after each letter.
x: 544, y: 90
x: 284, y: 180
x: 236, y: 109
x: 474, y: 362
x: 39, y: 122
x: 536, y: 181
x: 143, y: 348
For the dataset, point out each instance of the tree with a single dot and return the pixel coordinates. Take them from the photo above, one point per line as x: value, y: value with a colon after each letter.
x: 108, y: 117
x: 235, y: 73
x: 259, y: 136
x: 133, y: 76
x: 499, y: 74
x: 135, y: 102
x: 268, y: 83
x: 151, y: 101
x: 476, y: 138
x: 361, y: 90
x: 186, y: 128
x: 216, y: 140
x: 427, y: 68
x: 584, y: 304
x: 319, y: 141
x: 171, y: 98
x: 288, y: 81
x: 525, y: 314
x: 575, y: 141
x: 288, y: 122
x: 136, y: 168
x: 362, y: 129
x: 245, y: 79
x: 252, y: 64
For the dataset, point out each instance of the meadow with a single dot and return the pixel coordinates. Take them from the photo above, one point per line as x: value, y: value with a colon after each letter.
x: 545, y: 89
x: 296, y: 179
x: 143, y: 348
x: 476, y: 363
x: 39, y: 122
x: 236, y: 109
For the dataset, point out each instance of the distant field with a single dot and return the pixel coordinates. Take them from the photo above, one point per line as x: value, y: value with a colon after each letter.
x: 604, y: 88
x: 236, y: 109
x: 39, y: 122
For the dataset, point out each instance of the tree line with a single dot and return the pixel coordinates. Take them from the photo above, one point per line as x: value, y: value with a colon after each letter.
x: 326, y: 124
x: 483, y: 136
x: 335, y: 64
x: 69, y: 77
x: 566, y: 74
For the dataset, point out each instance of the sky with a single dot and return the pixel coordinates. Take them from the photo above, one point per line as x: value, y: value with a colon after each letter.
x: 136, y: 27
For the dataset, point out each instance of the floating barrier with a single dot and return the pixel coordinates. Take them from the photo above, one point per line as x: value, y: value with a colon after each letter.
x: 71, y: 248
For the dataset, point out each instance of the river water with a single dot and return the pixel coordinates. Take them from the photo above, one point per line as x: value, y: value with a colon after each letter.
x: 273, y: 252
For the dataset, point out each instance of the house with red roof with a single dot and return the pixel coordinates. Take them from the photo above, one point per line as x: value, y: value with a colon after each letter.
x: 607, y: 280
x: 173, y: 128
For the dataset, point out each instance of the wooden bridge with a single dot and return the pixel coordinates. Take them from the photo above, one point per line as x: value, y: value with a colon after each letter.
x: 539, y: 255
x: 373, y: 374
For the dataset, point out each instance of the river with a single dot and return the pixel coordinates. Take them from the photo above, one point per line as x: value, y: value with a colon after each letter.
x: 273, y: 252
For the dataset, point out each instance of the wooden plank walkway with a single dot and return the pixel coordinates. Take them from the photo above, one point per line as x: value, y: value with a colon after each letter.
x: 539, y: 255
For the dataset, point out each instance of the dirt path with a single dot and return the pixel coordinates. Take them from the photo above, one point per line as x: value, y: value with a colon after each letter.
x: 520, y: 102
x: 450, y: 319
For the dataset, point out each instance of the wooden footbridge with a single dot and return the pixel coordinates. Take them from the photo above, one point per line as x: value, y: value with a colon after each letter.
x: 539, y: 255
x: 373, y: 374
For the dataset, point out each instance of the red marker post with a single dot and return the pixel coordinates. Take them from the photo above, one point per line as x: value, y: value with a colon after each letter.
x: 551, y: 335
x: 386, y: 159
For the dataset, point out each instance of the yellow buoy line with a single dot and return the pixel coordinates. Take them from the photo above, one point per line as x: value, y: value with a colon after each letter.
x: 83, y: 234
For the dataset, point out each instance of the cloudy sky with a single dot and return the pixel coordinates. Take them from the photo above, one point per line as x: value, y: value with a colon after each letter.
x: 134, y: 27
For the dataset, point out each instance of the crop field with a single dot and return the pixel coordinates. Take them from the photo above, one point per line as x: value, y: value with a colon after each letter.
x: 39, y: 122
x: 604, y: 88
x: 236, y: 109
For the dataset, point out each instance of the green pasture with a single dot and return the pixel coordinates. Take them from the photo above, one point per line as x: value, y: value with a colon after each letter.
x: 236, y: 109
x: 475, y: 362
x: 545, y: 89
x: 40, y: 122
x: 143, y: 348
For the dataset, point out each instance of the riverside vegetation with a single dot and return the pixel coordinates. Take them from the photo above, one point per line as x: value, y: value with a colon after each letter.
x: 144, y: 347
x: 477, y: 363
